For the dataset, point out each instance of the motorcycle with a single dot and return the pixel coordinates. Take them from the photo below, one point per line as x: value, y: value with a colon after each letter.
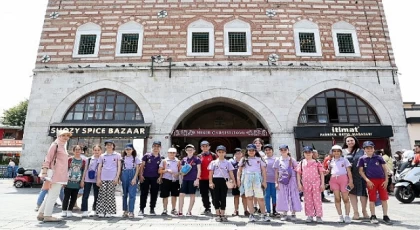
x: 408, y: 185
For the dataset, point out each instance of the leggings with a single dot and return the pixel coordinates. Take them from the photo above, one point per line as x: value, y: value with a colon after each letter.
x: 219, y: 193
x: 70, y: 194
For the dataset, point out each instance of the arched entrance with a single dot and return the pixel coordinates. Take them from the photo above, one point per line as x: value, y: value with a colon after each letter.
x: 220, y: 123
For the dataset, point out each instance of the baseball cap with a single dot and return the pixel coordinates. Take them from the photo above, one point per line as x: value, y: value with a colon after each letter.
x: 268, y: 146
x: 337, y: 147
x: 283, y: 146
x: 189, y: 146
x: 238, y: 149
x: 221, y: 147
x: 172, y: 150
x: 251, y: 146
x: 368, y: 144
x: 129, y: 146
x: 109, y: 141
x: 307, y: 149
x: 157, y: 143
x: 204, y: 143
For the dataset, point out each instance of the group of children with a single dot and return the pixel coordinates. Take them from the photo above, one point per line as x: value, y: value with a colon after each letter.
x: 272, y: 183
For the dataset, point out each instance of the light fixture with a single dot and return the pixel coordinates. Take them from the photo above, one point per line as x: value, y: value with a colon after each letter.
x: 162, y: 14
x: 45, y: 59
x: 54, y: 15
x: 158, y: 59
x: 273, y: 57
x: 270, y: 13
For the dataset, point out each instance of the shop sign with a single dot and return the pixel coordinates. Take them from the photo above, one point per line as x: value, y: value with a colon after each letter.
x: 342, y: 131
x: 10, y: 142
x: 220, y: 133
x: 137, y: 131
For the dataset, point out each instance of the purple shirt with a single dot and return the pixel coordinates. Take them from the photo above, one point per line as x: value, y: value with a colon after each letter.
x: 254, y: 165
x: 129, y: 163
x: 220, y: 168
x: 173, y: 166
x: 271, y: 177
x: 372, y: 166
x: 151, y: 165
x: 235, y: 165
x: 192, y: 174
x: 282, y: 164
x: 93, y: 165
x: 339, y: 166
x: 109, y: 165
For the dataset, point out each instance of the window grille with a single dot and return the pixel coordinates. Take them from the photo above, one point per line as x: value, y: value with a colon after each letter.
x: 87, y: 44
x: 237, y: 42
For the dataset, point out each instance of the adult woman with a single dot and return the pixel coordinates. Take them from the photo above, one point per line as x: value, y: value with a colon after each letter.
x: 57, y: 161
x: 386, y: 155
x: 352, y: 151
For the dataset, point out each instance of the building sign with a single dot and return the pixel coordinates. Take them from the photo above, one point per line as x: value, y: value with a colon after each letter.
x: 10, y: 142
x: 135, y: 130
x: 220, y: 133
x: 342, y: 131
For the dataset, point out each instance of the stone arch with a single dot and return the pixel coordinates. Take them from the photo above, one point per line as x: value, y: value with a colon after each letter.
x: 308, y: 93
x: 75, y: 95
x: 254, y: 106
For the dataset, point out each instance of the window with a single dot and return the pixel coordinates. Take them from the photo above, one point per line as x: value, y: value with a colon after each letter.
x: 337, y: 107
x: 129, y: 40
x: 87, y: 40
x: 345, y: 40
x: 104, y: 105
x: 237, y: 38
x: 200, y: 39
x: 307, y: 39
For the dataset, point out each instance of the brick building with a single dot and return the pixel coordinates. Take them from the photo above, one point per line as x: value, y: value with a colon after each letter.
x: 300, y: 72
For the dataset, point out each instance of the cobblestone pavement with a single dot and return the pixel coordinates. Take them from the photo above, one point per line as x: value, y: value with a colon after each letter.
x: 17, y: 212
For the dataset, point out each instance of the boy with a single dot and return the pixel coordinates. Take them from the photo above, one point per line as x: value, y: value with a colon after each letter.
x: 373, y: 169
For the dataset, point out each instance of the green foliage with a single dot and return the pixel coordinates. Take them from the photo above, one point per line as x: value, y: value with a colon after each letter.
x: 16, y: 115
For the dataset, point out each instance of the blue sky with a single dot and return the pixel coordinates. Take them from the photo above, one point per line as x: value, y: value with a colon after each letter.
x: 21, y: 23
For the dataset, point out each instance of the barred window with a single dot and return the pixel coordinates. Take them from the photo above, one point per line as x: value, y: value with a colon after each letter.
x: 200, y: 42
x: 87, y: 44
x: 307, y: 42
x: 345, y: 43
x: 237, y: 42
x: 129, y: 43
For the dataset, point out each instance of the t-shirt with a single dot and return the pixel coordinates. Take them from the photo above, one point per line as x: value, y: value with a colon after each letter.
x: 92, y: 164
x: 339, y: 166
x: 220, y: 168
x: 171, y: 165
x: 129, y: 163
x: 109, y: 165
x: 151, y: 165
x: 75, y: 173
x: 271, y: 177
x: 372, y: 166
x: 192, y: 174
x: 205, y: 158
x: 416, y: 159
x: 253, y: 165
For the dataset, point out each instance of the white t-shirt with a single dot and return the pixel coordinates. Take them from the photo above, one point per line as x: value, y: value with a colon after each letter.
x: 11, y: 163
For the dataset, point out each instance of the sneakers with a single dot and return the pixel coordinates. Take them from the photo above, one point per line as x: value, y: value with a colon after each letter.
x: 131, y: 215
x: 218, y: 219
x: 293, y: 217
x: 251, y: 218
x: 125, y: 214
x: 235, y: 213
x: 265, y: 218
x: 108, y: 215
x: 69, y: 214
x: 64, y: 214
x: 387, y: 220
x: 206, y: 211
x: 224, y: 218
x: 93, y: 213
x: 246, y: 213
x: 340, y: 219
x: 325, y: 200
x: 189, y: 214
x: 174, y: 212
x: 347, y: 219
x: 283, y: 217
x: 164, y: 213
x: 373, y: 220
x: 319, y: 220
x: 141, y: 212
x: 85, y: 214
x: 152, y: 212
x: 309, y: 219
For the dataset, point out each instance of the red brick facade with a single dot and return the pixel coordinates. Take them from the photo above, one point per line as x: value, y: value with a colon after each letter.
x: 168, y: 36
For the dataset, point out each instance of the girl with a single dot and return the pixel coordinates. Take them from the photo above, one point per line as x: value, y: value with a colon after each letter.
x: 190, y: 180
x: 287, y: 190
x: 258, y: 142
x: 341, y: 182
x: 90, y: 181
x: 129, y: 174
x: 235, y: 191
x: 352, y: 151
x: 311, y: 175
x: 108, y: 177
x: 169, y: 170
x: 76, y: 166
x: 270, y: 192
x: 219, y: 171
x: 253, y: 178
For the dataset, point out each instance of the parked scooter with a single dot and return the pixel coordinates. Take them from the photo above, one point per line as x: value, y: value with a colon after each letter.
x: 408, y: 185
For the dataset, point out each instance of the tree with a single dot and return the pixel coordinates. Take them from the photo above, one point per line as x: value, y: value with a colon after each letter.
x: 16, y: 115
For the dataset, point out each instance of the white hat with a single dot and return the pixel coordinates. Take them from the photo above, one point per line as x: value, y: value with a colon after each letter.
x: 172, y: 150
x: 63, y: 132
x: 337, y: 147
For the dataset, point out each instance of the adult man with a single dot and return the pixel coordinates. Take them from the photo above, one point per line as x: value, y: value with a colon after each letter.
x: 205, y: 157
x: 149, y: 178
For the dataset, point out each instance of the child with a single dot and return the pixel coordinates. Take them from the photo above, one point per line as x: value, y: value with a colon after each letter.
x: 270, y: 192
x: 286, y: 184
x: 76, y: 167
x: 108, y: 177
x: 253, y: 178
x: 311, y: 175
x: 259, y: 143
x: 373, y: 170
x: 129, y: 174
x: 235, y: 191
x: 220, y: 171
x: 341, y: 182
x: 90, y: 175
x: 169, y: 170
x: 190, y: 181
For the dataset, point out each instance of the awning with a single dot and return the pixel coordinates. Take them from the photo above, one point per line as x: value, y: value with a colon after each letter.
x: 10, y: 149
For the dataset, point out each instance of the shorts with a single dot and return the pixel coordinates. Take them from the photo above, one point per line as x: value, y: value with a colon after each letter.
x: 377, y: 188
x: 339, y: 183
x: 169, y: 188
x: 81, y: 191
x: 252, y: 185
x: 236, y: 192
x: 188, y: 187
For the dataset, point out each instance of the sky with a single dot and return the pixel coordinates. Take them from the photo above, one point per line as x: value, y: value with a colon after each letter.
x: 21, y: 21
